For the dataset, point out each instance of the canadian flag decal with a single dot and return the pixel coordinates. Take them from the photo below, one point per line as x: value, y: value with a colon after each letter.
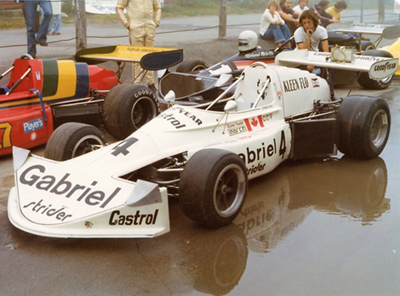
x: 254, y: 122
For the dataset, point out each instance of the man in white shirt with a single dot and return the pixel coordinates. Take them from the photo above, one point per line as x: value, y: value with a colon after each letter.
x: 310, y: 35
x: 301, y: 6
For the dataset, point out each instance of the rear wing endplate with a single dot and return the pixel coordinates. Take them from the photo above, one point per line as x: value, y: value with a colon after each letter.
x: 377, y: 67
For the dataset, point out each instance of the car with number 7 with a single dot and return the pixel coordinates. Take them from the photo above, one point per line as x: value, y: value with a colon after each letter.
x: 203, y: 155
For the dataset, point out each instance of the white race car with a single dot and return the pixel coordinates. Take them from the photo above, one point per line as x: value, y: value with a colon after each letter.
x: 203, y: 154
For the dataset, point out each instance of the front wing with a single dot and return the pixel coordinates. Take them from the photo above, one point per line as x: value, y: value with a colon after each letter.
x: 54, y: 200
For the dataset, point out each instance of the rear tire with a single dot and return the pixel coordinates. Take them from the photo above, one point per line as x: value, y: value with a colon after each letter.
x: 213, y: 187
x: 363, y: 126
x: 191, y: 66
x: 369, y: 83
x: 127, y: 108
x: 73, y: 139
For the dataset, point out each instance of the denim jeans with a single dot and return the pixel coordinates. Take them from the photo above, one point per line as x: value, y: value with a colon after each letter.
x: 30, y: 7
x: 280, y: 33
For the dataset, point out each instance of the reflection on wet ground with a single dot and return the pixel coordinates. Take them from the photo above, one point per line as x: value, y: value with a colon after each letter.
x: 191, y: 258
x: 278, y: 203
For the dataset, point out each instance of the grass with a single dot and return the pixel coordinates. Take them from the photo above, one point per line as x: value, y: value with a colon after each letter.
x: 13, y: 19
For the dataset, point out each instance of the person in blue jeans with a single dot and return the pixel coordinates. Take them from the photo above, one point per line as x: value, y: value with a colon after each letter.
x: 30, y: 8
x: 272, y: 26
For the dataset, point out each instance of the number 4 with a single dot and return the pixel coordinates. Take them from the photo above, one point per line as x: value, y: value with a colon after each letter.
x: 282, y: 146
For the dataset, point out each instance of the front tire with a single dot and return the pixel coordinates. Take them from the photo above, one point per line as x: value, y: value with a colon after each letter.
x: 213, y: 187
x: 369, y: 83
x: 73, y: 139
x: 126, y: 108
x: 363, y: 126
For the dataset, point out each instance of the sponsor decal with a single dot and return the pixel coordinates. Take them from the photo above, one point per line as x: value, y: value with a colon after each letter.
x: 35, y: 177
x: 33, y: 125
x: 33, y: 136
x: 137, y: 219
x: 175, y: 122
x: 5, y: 135
x: 48, y: 210
x: 37, y: 74
x: 253, y: 158
x: 295, y: 84
x: 254, y: 122
x: 315, y: 82
x: 386, y: 66
x: 260, y: 54
x: 235, y: 128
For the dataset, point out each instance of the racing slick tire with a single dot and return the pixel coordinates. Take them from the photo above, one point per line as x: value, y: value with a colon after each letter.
x: 126, y: 108
x: 191, y: 66
x: 369, y: 83
x: 363, y: 126
x: 213, y: 187
x: 73, y: 139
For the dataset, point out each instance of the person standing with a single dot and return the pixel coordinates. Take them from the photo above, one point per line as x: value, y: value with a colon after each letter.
x: 30, y: 7
x: 273, y: 26
x: 55, y: 24
x: 142, y: 20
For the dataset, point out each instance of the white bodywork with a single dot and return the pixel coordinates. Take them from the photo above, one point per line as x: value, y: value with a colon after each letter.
x: 86, y: 196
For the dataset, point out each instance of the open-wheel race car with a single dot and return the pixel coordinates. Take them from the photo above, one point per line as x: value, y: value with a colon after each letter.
x: 204, y: 154
x: 343, y: 37
x: 42, y: 94
x: 196, y: 82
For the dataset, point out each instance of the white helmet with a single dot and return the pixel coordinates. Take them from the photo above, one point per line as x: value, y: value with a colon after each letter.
x: 248, y: 40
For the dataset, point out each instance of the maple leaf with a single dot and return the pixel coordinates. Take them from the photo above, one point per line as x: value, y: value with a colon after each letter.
x: 254, y: 121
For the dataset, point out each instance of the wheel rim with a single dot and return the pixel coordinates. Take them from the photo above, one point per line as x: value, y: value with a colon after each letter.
x: 87, y: 144
x: 143, y: 110
x: 386, y: 80
x: 380, y: 128
x: 198, y: 68
x: 229, y: 190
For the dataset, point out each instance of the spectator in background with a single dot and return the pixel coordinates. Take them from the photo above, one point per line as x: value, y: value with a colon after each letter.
x: 301, y: 6
x: 324, y: 17
x: 290, y: 16
x: 310, y: 35
x: 272, y: 26
x: 337, y: 9
x: 142, y: 21
x: 55, y: 24
x: 30, y: 7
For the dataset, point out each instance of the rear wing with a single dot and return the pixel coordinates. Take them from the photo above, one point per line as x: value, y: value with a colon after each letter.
x: 382, y: 31
x: 377, y: 67
x: 150, y: 58
x: 386, y: 31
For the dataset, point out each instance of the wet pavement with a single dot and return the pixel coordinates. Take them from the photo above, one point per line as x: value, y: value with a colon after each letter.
x: 323, y: 227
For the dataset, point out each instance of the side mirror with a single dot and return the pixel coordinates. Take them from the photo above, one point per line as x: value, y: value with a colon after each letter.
x: 230, y: 106
x: 170, y: 97
x: 224, y: 79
